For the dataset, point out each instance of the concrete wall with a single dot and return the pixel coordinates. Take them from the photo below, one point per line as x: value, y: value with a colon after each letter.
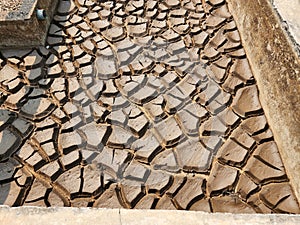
x: 27, y: 32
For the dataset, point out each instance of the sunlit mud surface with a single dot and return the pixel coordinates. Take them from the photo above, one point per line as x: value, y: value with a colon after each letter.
x: 138, y: 104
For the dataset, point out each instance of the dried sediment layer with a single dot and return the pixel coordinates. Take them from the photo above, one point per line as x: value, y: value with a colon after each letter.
x: 138, y: 104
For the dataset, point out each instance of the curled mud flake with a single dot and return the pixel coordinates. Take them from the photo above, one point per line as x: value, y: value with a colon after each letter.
x: 231, y: 204
x: 169, y: 132
x: 10, y: 142
x: 283, y: 201
x: 246, y: 102
x: 265, y: 165
x: 184, y: 199
x: 216, y: 183
x: 192, y: 156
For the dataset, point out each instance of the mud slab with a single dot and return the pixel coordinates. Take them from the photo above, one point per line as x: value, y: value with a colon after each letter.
x: 21, y: 29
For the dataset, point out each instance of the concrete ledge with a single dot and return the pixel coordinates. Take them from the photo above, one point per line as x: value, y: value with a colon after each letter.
x: 74, y: 216
x: 276, y: 68
x: 27, y: 32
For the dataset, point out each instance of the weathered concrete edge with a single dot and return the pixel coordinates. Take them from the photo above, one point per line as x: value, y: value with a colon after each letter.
x: 276, y: 67
x: 27, y: 33
x: 32, y: 10
x: 74, y: 216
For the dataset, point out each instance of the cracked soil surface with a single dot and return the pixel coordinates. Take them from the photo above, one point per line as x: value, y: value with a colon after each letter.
x: 138, y: 104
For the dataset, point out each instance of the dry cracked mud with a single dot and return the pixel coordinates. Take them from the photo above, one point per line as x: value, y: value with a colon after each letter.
x: 138, y: 104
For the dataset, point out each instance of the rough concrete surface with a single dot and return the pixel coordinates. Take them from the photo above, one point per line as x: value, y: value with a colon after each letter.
x: 276, y: 68
x: 289, y: 12
x: 16, y: 10
x: 9, y: 5
x: 82, y: 216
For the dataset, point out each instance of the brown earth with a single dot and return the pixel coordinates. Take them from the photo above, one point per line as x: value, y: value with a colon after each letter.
x: 138, y: 104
